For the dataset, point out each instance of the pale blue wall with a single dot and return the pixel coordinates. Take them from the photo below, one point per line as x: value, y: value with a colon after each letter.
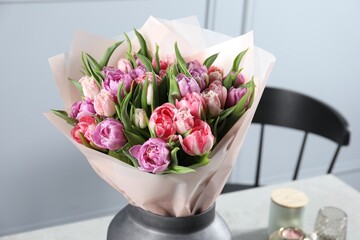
x: 44, y: 180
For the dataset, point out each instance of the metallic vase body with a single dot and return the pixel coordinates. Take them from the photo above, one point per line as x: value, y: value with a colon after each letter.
x: 133, y: 223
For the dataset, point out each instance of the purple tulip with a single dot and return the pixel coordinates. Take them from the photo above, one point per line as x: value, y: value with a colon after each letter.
x: 199, y: 73
x: 82, y: 108
x: 240, y: 80
x: 113, y: 78
x: 186, y: 84
x: 137, y: 72
x: 75, y: 109
x: 153, y: 156
x: 109, y: 134
x: 235, y: 95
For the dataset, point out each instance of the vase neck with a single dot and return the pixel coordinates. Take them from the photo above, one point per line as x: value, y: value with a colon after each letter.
x: 172, y: 224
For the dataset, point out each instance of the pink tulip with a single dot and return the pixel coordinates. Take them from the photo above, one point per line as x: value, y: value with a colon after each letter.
x: 184, y: 120
x: 220, y: 90
x: 199, y: 141
x: 82, y: 108
x: 89, y: 87
x: 109, y: 134
x: 113, y: 79
x: 85, y: 126
x: 153, y: 156
x: 212, y: 102
x: 149, y: 76
x: 104, y: 103
x: 215, y: 74
x: 162, y: 123
x: 194, y: 102
x: 124, y: 65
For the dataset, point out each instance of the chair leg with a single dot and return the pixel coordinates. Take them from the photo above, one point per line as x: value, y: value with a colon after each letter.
x: 334, y: 159
x: 296, y: 173
x: 258, y: 165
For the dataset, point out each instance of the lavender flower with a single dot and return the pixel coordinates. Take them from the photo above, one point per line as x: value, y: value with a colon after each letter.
x: 186, y: 84
x: 199, y: 73
x: 113, y: 78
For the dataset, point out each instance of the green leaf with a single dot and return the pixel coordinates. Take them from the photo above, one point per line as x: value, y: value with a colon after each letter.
x: 137, y: 96
x: 163, y: 90
x: 174, y: 91
x: 237, y: 60
x: 84, y: 64
x: 210, y: 60
x: 228, y: 81
x: 157, y: 60
x: 129, y: 43
x: 94, y: 64
x: 204, y: 160
x: 155, y: 100
x: 252, y: 87
x: 215, y: 129
x: 95, y: 68
x: 133, y: 138
x: 181, y: 62
x: 118, y: 111
x: 144, y: 104
x: 132, y: 159
x: 109, y: 51
x: 118, y: 94
x: 224, y: 114
x: 65, y: 116
x: 120, y: 156
x: 124, y: 116
x: 84, y: 141
x: 89, y: 69
x: 146, y: 62
x: 77, y: 85
x: 174, y: 160
x: 143, y: 50
x: 239, y: 109
x: 131, y: 59
x: 179, y: 170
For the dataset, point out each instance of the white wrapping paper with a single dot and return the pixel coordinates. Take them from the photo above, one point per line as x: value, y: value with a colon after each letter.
x: 169, y: 194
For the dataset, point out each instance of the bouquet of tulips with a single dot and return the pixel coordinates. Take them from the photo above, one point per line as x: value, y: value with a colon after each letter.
x: 154, y: 116
x: 158, y: 115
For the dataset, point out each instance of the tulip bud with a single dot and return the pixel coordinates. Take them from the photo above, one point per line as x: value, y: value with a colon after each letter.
x: 140, y: 118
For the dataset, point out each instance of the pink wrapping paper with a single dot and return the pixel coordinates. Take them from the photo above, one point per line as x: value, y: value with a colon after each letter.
x: 169, y: 194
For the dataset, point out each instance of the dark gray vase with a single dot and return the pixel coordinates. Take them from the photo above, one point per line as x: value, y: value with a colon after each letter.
x: 134, y: 223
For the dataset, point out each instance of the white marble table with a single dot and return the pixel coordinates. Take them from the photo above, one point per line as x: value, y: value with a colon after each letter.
x: 246, y: 212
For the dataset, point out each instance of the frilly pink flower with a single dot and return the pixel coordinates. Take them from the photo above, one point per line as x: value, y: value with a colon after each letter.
x: 199, y: 141
x: 153, y: 156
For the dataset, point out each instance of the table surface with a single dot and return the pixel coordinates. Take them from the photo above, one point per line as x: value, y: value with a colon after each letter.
x: 246, y: 212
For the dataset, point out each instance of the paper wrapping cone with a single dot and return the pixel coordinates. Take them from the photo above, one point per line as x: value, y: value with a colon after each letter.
x: 169, y: 194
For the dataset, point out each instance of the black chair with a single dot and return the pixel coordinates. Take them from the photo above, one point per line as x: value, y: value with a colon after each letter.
x: 290, y: 109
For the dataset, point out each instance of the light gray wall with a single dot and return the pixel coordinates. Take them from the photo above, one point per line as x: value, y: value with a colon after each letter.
x: 44, y: 180
x: 317, y: 47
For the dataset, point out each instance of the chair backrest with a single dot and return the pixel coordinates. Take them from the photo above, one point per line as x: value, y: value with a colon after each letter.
x: 287, y: 108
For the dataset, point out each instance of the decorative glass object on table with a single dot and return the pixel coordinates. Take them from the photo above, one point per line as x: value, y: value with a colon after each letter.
x: 331, y: 224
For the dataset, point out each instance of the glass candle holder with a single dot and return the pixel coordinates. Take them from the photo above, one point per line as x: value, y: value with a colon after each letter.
x: 331, y: 224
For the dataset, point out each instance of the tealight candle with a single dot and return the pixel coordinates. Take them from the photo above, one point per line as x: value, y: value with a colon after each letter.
x: 286, y: 209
